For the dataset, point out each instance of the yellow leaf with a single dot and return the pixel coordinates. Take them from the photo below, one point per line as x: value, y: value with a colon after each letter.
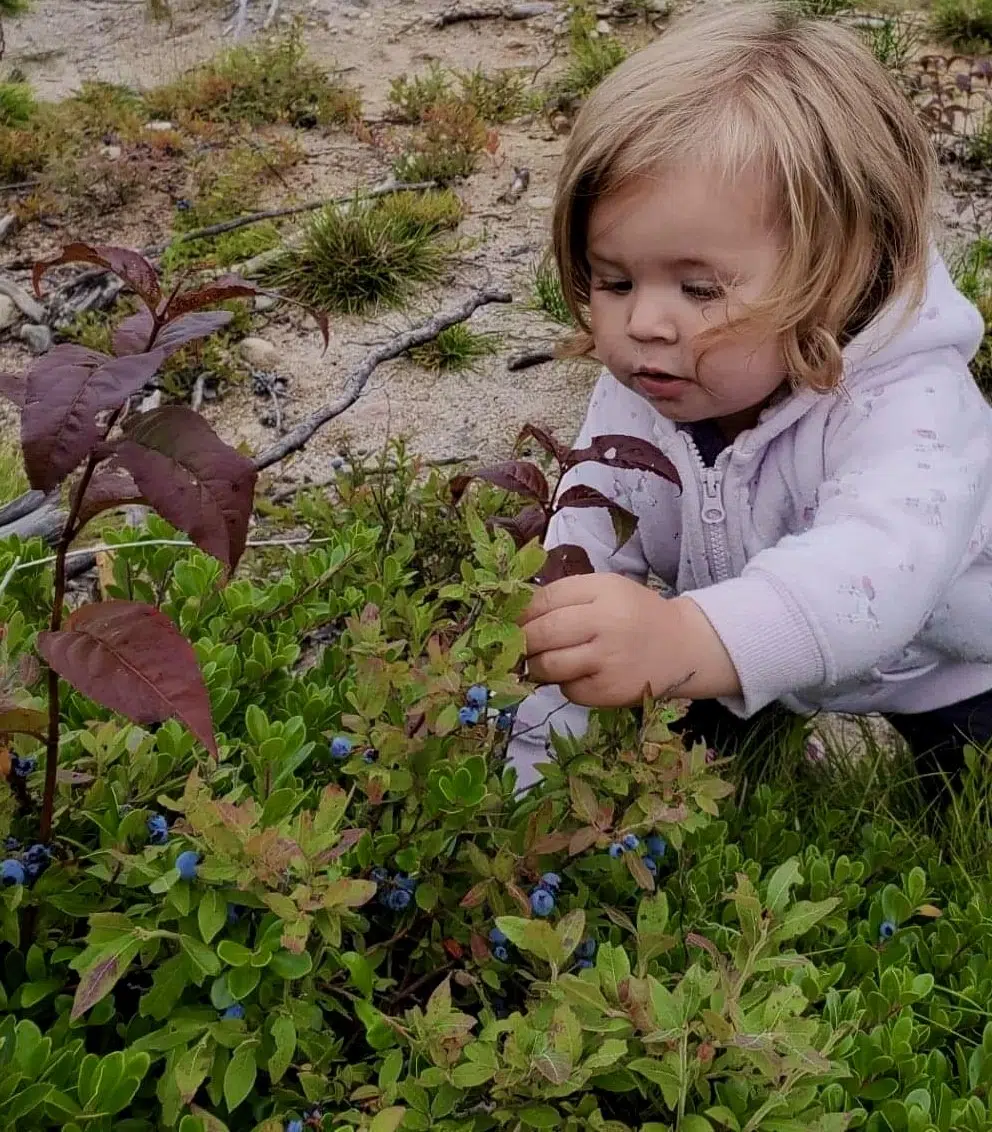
x: 929, y: 910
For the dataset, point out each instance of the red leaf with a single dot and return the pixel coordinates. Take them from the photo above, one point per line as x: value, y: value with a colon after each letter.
x: 624, y: 521
x: 132, y: 659
x: 130, y: 266
x: 550, y: 445
x: 179, y: 332
x: 519, y: 476
x: 617, y: 451
x: 65, y: 392
x: 13, y: 388
x: 528, y: 524
x: 475, y: 895
x: 107, y: 490
x: 234, y: 287
x: 133, y: 334
x: 192, y: 478
x: 480, y: 949
x: 453, y: 948
x: 564, y: 561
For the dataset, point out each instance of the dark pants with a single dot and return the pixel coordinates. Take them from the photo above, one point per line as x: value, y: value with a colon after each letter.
x: 937, y: 739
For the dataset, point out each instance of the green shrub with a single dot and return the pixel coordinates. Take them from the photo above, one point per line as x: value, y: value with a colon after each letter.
x: 411, y: 98
x: 369, y: 254
x: 455, y: 350
x: 449, y: 144
x: 17, y: 103
x: 966, y: 24
x: 591, y: 57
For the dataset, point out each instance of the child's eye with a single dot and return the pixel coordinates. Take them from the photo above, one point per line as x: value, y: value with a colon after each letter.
x: 614, y: 286
x: 704, y: 292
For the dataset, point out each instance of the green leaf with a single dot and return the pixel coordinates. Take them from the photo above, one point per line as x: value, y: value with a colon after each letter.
x: 469, y: 1075
x: 360, y: 970
x: 290, y: 965
x: 388, y: 1119
x: 570, y: 930
x: 660, y: 1074
x: 201, y: 956
x: 652, y: 914
x: 211, y: 915
x: 192, y: 1068
x: 613, y: 967
x: 803, y: 916
x: 233, y: 954
x: 780, y: 885
x: 535, y: 936
x: 101, y: 976
x: 239, y: 1080
x: 695, y: 1123
x: 283, y: 1031
x: 540, y: 1116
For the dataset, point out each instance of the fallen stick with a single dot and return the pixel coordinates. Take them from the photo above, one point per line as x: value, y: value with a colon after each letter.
x: 296, y: 438
x: 239, y: 20
x: 8, y: 225
x: 270, y: 15
x: 22, y: 300
x: 530, y: 359
x: 504, y: 12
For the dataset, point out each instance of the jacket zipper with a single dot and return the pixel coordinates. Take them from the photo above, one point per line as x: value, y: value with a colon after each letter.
x: 714, y: 515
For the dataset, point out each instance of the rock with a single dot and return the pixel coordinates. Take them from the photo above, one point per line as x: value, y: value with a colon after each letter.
x: 8, y: 312
x: 603, y: 27
x: 259, y: 353
x: 37, y: 338
x: 538, y: 203
x: 160, y: 126
x: 111, y: 152
x: 265, y: 302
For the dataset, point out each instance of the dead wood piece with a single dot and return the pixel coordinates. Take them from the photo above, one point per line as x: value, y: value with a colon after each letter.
x: 8, y: 225
x: 297, y: 438
x: 45, y: 522
x: 519, y: 185
x: 530, y: 359
x: 503, y: 12
x: 29, y: 307
x: 22, y: 505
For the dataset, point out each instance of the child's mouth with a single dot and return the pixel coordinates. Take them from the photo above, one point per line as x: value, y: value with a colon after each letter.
x: 655, y: 383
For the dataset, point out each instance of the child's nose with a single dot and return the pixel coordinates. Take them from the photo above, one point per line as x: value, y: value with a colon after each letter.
x: 649, y: 319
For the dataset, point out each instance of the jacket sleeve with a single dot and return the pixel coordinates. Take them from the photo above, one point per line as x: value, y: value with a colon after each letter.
x: 907, y: 474
x: 610, y: 410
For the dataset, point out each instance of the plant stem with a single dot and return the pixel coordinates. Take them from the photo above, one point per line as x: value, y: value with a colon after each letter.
x: 52, y: 749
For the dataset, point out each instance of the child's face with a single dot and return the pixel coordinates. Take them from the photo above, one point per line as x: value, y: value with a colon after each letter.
x: 672, y: 255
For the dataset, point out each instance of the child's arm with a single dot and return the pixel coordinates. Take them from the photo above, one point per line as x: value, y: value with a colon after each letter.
x: 907, y: 475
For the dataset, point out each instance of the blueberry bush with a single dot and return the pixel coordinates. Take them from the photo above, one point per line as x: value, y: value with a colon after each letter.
x: 322, y: 903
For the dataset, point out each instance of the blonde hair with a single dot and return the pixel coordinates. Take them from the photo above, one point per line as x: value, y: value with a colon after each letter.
x: 741, y: 83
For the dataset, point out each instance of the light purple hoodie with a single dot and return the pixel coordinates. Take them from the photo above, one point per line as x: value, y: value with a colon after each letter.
x: 841, y: 548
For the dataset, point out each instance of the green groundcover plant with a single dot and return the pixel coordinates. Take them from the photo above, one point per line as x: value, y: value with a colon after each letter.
x: 290, y: 883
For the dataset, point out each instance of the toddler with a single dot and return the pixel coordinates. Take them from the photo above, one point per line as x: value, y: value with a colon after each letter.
x: 743, y: 231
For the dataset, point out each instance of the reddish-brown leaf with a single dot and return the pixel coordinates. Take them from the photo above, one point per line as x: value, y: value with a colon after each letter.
x: 550, y: 445
x: 562, y: 562
x: 453, y: 948
x: 191, y: 327
x: 475, y: 895
x: 582, y: 839
x: 132, y: 659
x: 130, y: 266
x: 624, y: 521
x: 550, y: 843
x: 234, y: 287
x: 639, y: 871
x: 617, y: 451
x: 108, y: 489
x: 520, y: 476
x: 192, y: 478
x: 480, y: 949
x: 520, y: 898
x: 526, y: 525
x: 13, y: 388
x: 64, y: 395
x: 133, y: 334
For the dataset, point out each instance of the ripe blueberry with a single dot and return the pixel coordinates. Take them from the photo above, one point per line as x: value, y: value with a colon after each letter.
x: 340, y: 747
x: 496, y: 936
x: 232, y: 913
x: 407, y: 884
x: 542, y: 902
x: 584, y: 964
x: 650, y: 864
x: 656, y: 846
x: 468, y: 716
x: 501, y: 954
x: 369, y: 755
x: 294, y: 1126
x: 504, y: 721
x: 477, y: 697
x: 399, y: 900
x: 23, y: 767
x: 12, y: 845
x: 616, y: 850
x: 158, y: 829
x: 630, y: 841
x: 235, y: 1012
x: 551, y: 881
x: 187, y: 864
x: 586, y: 949
x: 887, y: 930
x: 11, y: 873
x: 380, y: 876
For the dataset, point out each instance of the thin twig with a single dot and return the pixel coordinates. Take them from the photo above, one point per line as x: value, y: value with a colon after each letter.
x: 504, y: 12
x: 22, y: 300
x: 529, y: 359
x: 356, y: 381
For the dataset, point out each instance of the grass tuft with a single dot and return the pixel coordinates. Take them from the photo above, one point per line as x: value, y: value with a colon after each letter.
x: 412, y: 98
x: 17, y: 103
x: 13, y: 479
x: 893, y: 41
x: 591, y: 57
x: 547, y: 293
x: 449, y: 145
x: 457, y: 349
x: 966, y: 24
x: 266, y: 83
x: 369, y: 254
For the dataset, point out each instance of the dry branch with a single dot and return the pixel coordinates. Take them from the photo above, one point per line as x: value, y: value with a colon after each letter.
x: 294, y: 440
x: 530, y: 359
x: 502, y: 12
x: 37, y: 515
x: 22, y: 300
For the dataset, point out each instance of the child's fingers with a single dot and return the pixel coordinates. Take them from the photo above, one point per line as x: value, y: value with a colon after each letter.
x: 559, y: 629
x: 577, y: 590
x: 562, y: 666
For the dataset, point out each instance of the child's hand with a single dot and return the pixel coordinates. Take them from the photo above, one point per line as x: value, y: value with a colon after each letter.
x: 603, y: 638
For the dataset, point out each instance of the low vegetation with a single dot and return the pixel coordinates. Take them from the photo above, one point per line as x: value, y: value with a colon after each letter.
x: 459, y: 349
x: 369, y: 254
x: 965, y: 24
x: 547, y: 295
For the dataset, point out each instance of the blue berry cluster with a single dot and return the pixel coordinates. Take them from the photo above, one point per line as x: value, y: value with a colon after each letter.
x: 158, y: 829
x: 585, y: 953
x: 234, y: 1013
x: 542, y: 899
x: 395, y: 892
x: 656, y: 848
x: 499, y: 941
x: 22, y: 868
x: 887, y: 930
x: 476, y: 699
x: 21, y: 768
